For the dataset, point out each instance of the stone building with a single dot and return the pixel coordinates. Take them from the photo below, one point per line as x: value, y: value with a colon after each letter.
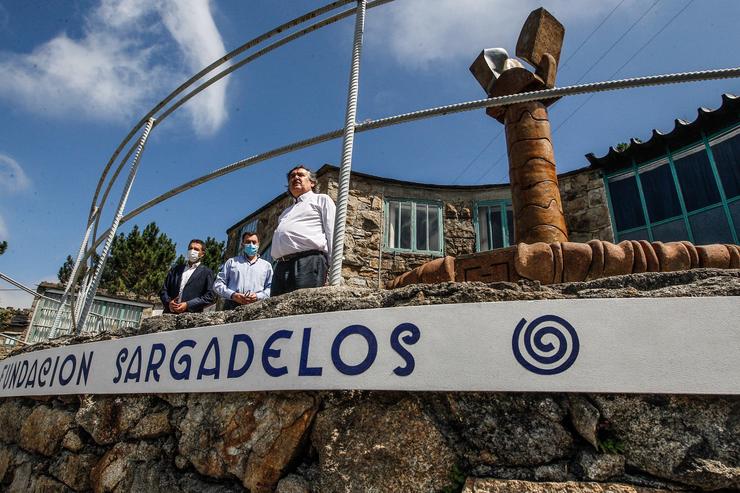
x: 639, y: 192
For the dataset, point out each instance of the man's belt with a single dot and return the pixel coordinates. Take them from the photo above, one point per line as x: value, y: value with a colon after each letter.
x: 293, y: 256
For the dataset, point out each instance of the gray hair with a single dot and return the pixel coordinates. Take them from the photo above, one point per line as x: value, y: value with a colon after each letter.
x: 311, y: 174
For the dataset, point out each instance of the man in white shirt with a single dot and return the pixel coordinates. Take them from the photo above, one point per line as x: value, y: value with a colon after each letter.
x: 302, y: 241
x: 245, y: 278
x: 187, y: 287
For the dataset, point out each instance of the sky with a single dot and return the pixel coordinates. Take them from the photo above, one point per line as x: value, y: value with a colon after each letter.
x: 77, y: 75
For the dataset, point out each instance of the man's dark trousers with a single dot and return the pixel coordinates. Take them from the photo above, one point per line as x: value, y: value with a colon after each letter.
x: 298, y: 271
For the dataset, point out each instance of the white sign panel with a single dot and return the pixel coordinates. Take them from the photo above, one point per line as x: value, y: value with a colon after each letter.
x: 659, y: 345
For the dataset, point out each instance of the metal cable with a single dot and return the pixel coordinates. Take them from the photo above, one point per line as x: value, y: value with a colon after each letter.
x: 441, y: 110
x: 348, y: 140
x: 90, y: 294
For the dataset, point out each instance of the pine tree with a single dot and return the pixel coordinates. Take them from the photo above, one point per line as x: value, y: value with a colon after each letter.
x: 138, y: 263
x: 3, y: 246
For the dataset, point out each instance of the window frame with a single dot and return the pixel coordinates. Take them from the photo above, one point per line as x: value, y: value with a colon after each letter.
x: 705, y: 145
x: 503, y: 204
x: 413, y: 249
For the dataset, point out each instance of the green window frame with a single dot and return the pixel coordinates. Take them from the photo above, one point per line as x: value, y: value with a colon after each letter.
x: 722, y: 206
x: 392, y: 236
x: 504, y: 233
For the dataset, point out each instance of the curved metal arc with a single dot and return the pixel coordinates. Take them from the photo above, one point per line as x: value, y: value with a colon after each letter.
x: 439, y: 110
x: 313, y: 27
x: 249, y: 44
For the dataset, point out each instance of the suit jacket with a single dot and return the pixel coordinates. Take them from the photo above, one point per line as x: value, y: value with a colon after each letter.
x: 198, y: 292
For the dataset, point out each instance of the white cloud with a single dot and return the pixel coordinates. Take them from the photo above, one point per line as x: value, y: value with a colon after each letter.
x: 420, y: 33
x: 12, y: 177
x: 122, y: 64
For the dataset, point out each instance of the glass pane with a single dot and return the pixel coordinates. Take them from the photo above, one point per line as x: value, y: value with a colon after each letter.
x: 510, y: 224
x: 727, y: 158
x: 735, y: 214
x: 697, y: 181
x: 434, y: 229
x: 672, y: 231
x: 640, y: 234
x: 710, y: 227
x: 497, y: 228
x: 393, y: 224
x: 421, y: 227
x: 626, y: 205
x: 660, y: 194
x: 483, y: 229
x: 405, y: 233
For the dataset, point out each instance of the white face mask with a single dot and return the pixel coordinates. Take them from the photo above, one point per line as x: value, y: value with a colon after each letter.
x: 193, y: 255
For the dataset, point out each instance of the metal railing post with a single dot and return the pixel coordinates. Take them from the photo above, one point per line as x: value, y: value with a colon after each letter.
x: 90, y: 294
x: 337, y: 253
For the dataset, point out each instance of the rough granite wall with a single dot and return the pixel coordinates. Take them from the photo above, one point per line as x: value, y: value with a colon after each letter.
x: 585, y: 206
x: 352, y: 441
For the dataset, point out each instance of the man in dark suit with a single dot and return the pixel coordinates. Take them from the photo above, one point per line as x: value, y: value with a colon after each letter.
x: 188, y: 287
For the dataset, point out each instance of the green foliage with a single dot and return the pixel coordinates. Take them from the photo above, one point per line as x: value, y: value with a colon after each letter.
x: 457, y: 480
x: 138, y: 263
x: 611, y: 445
x: 622, y: 146
x: 3, y: 246
x: 213, y: 259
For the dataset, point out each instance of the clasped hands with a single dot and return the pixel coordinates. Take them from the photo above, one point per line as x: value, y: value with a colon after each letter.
x: 244, y: 299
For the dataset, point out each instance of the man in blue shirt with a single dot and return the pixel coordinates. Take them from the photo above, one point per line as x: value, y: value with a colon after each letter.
x: 245, y: 278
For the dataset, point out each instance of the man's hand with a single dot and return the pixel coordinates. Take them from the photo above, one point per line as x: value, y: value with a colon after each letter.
x: 176, y: 307
x: 244, y: 299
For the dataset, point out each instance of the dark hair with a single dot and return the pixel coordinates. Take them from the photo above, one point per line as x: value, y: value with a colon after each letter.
x: 249, y: 233
x: 311, y: 174
x: 200, y: 242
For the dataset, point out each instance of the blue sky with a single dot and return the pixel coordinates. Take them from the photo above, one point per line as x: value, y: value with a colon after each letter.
x: 77, y: 75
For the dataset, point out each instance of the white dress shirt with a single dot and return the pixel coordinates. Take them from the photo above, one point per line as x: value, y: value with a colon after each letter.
x: 186, y: 277
x: 306, y: 225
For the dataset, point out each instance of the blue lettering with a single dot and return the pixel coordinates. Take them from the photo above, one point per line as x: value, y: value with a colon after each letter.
x: 268, y: 352
x: 65, y: 380
x: 304, y: 370
x: 372, y: 350
x: 84, y: 367
x: 238, y: 372
x: 32, y: 375
x: 44, y: 370
x: 54, y: 373
x: 22, y: 372
x: 184, y: 360
x: 411, y: 338
x: 152, y: 367
x: 134, y: 364
x: 202, y: 370
x: 120, y: 358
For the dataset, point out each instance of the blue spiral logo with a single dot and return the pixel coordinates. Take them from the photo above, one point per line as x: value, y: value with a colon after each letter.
x: 548, y: 346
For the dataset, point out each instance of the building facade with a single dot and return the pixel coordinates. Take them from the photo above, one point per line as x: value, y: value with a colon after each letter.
x: 107, y: 313
x: 684, y: 185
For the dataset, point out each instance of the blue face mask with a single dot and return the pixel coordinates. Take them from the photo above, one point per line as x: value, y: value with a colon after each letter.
x: 250, y: 249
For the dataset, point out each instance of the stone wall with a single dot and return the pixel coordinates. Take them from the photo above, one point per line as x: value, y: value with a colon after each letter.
x: 585, y: 206
x: 352, y: 441
x: 366, y: 264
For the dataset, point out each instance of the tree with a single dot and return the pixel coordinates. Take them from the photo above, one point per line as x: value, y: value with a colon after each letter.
x: 213, y: 259
x: 3, y: 246
x: 138, y: 263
